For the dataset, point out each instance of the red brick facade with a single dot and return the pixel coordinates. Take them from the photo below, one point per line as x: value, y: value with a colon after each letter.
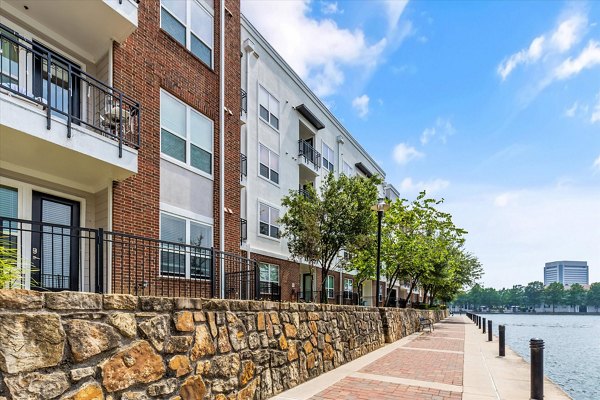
x: 150, y: 59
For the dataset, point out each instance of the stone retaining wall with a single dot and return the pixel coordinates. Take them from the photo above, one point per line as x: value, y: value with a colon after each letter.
x: 83, y: 346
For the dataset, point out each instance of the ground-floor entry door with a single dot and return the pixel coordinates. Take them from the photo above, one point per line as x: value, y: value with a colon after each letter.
x: 55, y: 243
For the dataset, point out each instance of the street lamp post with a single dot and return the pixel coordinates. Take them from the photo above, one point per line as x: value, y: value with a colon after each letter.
x: 380, y: 207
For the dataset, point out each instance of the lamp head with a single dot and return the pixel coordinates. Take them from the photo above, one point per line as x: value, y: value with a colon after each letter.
x: 381, y: 206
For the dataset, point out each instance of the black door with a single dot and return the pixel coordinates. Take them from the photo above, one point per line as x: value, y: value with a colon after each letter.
x: 307, y: 287
x: 55, y: 243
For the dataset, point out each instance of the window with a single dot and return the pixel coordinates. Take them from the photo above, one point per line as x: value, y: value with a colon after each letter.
x: 269, y: 278
x: 191, y: 23
x: 9, y: 208
x: 380, y: 299
x: 329, y: 285
x: 269, y: 164
x: 9, y: 58
x: 269, y: 107
x: 268, y: 224
x: 328, y: 157
x: 188, y: 252
x: 347, y: 169
x: 185, y: 134
x: 348, y: 284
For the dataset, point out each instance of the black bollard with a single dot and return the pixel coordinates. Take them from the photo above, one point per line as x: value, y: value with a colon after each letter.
x: 501, y: 337
x: 537, y: 368
x: 483, y: 326
x: 489, y: 330
x: 479, y: 322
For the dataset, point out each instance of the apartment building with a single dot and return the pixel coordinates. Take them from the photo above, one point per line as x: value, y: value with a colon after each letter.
x: 119, y: 116
x: 290, y: 140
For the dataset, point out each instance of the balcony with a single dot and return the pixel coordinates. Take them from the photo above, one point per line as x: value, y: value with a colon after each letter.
x: 243, y: 106
x: 243, y: 230
x: 87, y: 31
x: 304, y: 192
x: 64, y: 114
x: 308, y: 157
x: 243, y: 170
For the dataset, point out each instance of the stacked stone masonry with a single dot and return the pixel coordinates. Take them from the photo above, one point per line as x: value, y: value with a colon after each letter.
x: 82, y: 346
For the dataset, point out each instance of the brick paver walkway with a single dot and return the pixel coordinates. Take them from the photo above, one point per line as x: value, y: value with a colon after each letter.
x: 426, y: 368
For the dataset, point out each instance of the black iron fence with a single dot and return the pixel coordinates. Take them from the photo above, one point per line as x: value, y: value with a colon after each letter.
x: 243, y: 230
x: 243, y: 166
x: 309, y: 153
x: 51, y: 256
x: 32, y: 71
x: 304, y: 192
x: 269, y: 291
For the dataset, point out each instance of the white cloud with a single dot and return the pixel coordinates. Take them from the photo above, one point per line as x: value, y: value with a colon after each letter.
x: 404, y: 153
x: 596, y: 164
x: 514, y: 241
x: 394, y: 9
x: 330, y: 8
x: 432, y: 186
x: 570, y: 112
x: 361, y: 104
x: 442, y: 129
x: 288, y: 27
x: 569, y: 32
x: 588, y: 58
x: 596, y: 112
x: 504, y: 199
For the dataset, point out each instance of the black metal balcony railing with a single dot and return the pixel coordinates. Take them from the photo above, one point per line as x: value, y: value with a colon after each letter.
x: 304, y: 192
x: 243, y: 102
x: 309, y: 153
x: 243, y: 230
x: 60, y: 257
x: 269, y: 291
x: 49, y: 80
x: 243, y: 166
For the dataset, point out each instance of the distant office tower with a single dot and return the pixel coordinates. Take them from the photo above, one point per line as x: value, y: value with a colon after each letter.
x: 566, y: 272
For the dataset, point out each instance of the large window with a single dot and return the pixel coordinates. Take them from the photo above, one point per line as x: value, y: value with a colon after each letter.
x: 191, y: 23
x: 329, y: 286
x: 348, y: 283
x: 269, y: 108
x: 328, y: 157
x: 188, y: 252
x: 269, y: 164
x: 269, y: 279
x: 9, y: 208
x: 9, y: 60
x: 268, y: 221
x: 185, y: 134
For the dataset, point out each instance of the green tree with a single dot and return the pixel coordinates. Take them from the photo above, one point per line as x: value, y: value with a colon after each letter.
x: 534, y: 294
x: 318, y: 226
x: 593, y: 296
x: 554, y: 294
x: 575, y: 296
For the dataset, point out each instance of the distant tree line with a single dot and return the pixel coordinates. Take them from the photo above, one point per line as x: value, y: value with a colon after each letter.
x: 531, y: 296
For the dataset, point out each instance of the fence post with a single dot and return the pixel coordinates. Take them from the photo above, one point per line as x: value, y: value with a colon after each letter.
x: 99, y: 260
x: 537, y: 369
x: 489, y: 330
x: 212, y: 271
x: 121, y: 125
x: 501, y: 340
x: 256, y: 280
x: 49, y: 91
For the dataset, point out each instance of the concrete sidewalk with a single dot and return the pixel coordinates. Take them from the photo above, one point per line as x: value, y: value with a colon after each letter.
x: 453, y: 362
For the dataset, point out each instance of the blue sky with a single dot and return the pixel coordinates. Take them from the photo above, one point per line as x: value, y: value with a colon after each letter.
x: 494, y: 106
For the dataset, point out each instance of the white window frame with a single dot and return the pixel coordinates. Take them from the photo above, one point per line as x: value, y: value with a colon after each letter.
x: 188, y: 30
x: 347, y: 169
x: 188, y: 223
x: 270, y: 223
x: 326, y: 161
x: 270, y: 267
x: 188, y: 140
x: 271, y: 153
x: 269, y: 108
x: 330, y: 289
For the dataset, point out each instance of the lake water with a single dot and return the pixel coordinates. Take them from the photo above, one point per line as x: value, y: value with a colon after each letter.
x: 572, y: 348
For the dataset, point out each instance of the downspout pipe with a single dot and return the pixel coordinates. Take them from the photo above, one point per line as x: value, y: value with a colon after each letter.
x: 222, y: 143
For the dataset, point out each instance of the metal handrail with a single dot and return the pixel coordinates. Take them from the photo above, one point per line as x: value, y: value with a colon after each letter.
x: 243, y: 101
x: 63, y: 89
x: 309, y: 153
